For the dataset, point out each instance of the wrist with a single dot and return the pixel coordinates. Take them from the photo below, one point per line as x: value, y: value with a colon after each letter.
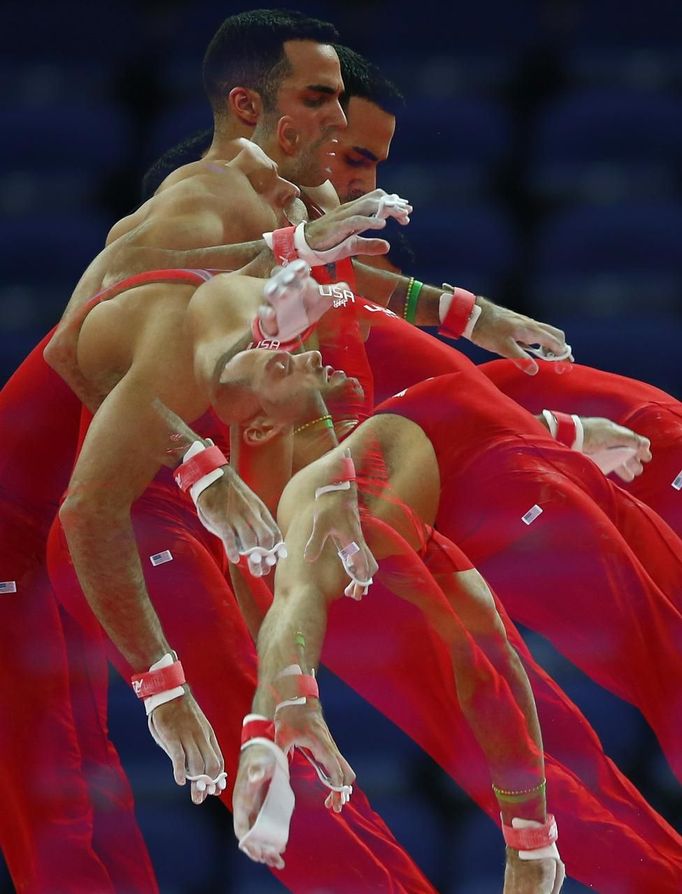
x: 458, y: 313
x: 565, y: 428
x: 202, y: 465
x: 293, y: 687
x: 163, y: 682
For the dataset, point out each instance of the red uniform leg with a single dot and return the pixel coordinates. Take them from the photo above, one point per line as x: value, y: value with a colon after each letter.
x: 610, y: 836
x: 351, y: 854
x: 571, y: 576
x: 46, y: 824
x: 660, y: 485
x: 637, y: 405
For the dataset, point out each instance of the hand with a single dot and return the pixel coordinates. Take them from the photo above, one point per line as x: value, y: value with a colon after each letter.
x: 336, y: 515
x: 295, y: 301
x: 263, y: 776
x: 532, y: 876
x: 508, y: 334
x: 615, y: 448
x: 229, y: 509
x: 184, y: 733
x: 304, y: 726
x: 337, y: 231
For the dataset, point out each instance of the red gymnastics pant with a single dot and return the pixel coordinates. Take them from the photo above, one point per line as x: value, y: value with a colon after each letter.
x: 610, y: 838
x: 348, y: 854
x: 641, y: 407
x: 597, y: 572
x: 415, y: 356
x: 67, y: 822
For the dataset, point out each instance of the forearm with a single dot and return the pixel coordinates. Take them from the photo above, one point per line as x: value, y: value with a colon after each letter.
x: 103, y: 550
x: 391, y: 290
x: 256, y: 256
x: 180, y: 435
x: 292, y: 633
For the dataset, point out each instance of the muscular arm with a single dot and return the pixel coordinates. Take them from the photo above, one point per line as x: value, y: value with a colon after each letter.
x: 254, y: 257
x: 497, y: 329
x: 113, y: 469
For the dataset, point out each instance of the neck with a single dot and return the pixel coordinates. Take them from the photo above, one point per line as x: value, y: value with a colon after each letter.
x: 225, y: 133
x: 311, y: 444
x: 266, y: 468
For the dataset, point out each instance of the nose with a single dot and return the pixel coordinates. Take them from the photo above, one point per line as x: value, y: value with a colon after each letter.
x: 313, y: 359
x: 364, y: 182
x: 289, y: 191
x: 337, y: 116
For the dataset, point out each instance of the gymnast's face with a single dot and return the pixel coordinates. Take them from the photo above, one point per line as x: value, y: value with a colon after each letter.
x: 263, y: 175
x: 361, y: 148
x: 308, y: 113
x: 280, y: 383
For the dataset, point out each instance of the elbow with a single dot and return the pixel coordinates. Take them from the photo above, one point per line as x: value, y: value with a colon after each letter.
x: 53, y: 353
x: 73, y: 514
x: 83, y: 512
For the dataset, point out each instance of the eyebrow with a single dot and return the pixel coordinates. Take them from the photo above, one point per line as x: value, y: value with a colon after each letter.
x: 321, y: 88
x: 370, y: 156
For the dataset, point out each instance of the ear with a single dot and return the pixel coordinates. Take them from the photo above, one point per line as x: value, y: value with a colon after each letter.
x: 245, y: 105
x: 260, y: 430
x: 288, y: 136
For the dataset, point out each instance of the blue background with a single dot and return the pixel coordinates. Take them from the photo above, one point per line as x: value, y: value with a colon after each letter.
x: 541, y: 147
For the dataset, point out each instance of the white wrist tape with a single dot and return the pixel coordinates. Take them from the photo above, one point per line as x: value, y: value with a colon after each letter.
x: 207, y: 480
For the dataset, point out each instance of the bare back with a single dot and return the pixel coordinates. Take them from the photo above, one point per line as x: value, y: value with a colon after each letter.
x: 201, y: 205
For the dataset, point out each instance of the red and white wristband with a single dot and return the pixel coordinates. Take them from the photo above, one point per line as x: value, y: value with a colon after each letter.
x: 289, y: 244
x: 536, y: 841
x: 201, y: 465
x: 305, y: 686
x: 565, y: 428
x: 162, y: 683
x: 458, y: 312
x: 342, y: 481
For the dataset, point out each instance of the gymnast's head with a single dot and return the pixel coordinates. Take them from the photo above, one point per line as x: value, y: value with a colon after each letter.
x: 266, y: 392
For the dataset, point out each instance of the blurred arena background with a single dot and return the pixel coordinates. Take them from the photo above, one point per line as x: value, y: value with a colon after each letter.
x: 541, y: 146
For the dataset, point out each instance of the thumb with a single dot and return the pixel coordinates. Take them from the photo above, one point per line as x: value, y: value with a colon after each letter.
x: 315, y: 544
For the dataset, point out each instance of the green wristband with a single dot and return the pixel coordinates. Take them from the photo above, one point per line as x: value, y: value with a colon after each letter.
x: 413, y: 291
